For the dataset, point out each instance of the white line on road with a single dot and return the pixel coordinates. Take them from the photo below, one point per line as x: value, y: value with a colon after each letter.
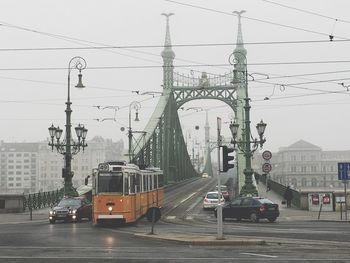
x: 259, y: 255
x: 188, y: 197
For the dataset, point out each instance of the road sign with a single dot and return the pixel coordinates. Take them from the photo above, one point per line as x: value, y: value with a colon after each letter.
x: 343, y: 171
x: 266, y: 155
x: 266, y: 168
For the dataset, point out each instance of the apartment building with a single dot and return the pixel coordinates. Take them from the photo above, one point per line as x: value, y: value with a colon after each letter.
x: 34, y: 167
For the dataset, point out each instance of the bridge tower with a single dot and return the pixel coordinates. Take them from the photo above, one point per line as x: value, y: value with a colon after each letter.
x: 163, y: 143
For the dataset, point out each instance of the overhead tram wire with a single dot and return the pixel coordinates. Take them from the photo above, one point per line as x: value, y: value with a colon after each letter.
x: 307, y: 12
x: 173, y: 45
x: 255, y: 19
x: 182, y: 66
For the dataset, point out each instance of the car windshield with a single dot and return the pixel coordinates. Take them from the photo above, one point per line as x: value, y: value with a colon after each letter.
x: 69, y: 202
x: 110, y: 183
x: 212, y: 195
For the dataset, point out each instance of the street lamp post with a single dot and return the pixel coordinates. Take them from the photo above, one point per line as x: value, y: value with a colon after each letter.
x: 244, y: 144
x: 136, y: 106
x: 68, y: 147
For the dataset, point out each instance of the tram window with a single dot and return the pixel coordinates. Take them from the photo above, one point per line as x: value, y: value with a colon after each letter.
x: 126, y: 184
x: 144, y: 183
x: 110, y: 182
x: 138, y: 183
x: 160, y: 180
x: 152, y: 181
x: 132, y: 183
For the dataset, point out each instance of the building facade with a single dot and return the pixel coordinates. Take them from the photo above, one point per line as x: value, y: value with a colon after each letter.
x: 33, y: 167
x: 305, y: 166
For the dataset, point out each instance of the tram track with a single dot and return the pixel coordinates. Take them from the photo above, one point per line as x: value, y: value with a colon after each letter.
x: 179, y: 199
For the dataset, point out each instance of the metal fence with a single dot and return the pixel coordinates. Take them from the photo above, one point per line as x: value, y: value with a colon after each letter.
x: 41, y: 200
x: 280, y: 190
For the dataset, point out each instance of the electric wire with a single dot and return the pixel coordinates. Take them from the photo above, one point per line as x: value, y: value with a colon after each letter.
x: 254, y: 19
x: 307, y: 12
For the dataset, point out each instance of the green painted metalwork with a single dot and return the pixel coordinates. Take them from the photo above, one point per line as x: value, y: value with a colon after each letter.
x: 41, y: 200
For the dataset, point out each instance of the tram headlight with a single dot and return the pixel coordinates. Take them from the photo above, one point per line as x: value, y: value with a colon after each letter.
x: 110, y: 208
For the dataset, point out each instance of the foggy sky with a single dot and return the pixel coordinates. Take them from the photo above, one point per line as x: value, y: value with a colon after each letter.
x: 33, y: 83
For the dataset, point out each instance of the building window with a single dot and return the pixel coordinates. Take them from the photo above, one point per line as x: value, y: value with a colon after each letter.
x: 313, y: 168
x: 303, y: 182
x: 303, y: 158
x: 10, y: 178
x: 303, y: 169
x: 294, y: 158
x: 19, y: 184
x: 313, y: 182
x: 2, y: 204
x: 293, y: 169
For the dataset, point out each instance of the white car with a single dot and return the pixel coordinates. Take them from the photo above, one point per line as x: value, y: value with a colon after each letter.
x: 205, y: 175
x: 211, y: 200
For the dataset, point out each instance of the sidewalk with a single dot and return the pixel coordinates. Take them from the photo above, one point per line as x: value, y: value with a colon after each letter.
x: 18, y: 218
x: 294, y: 213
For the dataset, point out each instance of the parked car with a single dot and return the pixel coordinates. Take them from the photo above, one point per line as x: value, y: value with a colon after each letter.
x: 211, y: 200
x: 253, y: 208
x: 224, y: 191
x: 71, y: 209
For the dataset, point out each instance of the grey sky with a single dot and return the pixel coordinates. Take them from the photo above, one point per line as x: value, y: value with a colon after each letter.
x: 33, y: 99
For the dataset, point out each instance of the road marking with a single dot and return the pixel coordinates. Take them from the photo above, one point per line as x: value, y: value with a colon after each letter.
x: 194, y: 204
x: 170, y: 217
x: 259, y: 255
x: 188, y: 197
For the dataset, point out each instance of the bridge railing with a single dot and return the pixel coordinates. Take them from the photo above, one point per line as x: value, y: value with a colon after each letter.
x: 41, y: 200
x: 280, y: 189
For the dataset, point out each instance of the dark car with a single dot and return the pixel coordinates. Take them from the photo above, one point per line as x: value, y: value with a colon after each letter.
x: 253, y: 208
x: 71, y: 209
x: 224, y: 191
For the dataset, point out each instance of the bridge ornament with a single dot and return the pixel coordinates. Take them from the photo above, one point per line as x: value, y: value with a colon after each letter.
x: 218, y: 87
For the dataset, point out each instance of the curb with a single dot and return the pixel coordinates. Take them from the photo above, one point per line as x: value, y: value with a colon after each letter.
x: 203, y: 240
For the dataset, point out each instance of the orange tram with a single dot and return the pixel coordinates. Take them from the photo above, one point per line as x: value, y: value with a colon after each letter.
x: 123, y: 193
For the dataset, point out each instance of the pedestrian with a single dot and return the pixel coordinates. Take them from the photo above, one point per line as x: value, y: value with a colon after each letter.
x: 288, y: 196
x: 268, y: 186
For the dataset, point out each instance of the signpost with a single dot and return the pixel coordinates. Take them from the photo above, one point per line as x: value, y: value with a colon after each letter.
x: 266, y: 167
x: 266, y: 155
x: 343, y: 175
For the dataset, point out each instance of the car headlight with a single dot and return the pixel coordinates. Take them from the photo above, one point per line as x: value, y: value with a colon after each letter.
x: 51, y: 212
x: 74, y: 211
x: 110, y: 208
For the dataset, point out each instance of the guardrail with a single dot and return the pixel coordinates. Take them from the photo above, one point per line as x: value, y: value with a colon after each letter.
x: 280, y: 189
x: 41, y: 200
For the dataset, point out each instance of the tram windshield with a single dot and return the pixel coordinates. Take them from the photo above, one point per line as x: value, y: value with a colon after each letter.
x: 110, y: 183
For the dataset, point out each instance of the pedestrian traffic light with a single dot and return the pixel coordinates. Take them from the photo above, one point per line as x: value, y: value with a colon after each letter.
x: 226, y: 158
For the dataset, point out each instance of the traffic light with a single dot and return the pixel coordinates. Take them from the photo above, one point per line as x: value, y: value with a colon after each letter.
x: 226, y: 158
x: 63, y: 172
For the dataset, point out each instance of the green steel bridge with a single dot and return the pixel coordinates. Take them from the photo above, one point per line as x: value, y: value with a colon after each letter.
x: 162, y: 142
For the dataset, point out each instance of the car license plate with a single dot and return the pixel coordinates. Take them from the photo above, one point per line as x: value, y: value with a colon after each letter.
x: 271, y: 208
x: 61, y: 215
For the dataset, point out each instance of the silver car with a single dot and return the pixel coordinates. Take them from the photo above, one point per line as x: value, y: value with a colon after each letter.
x: 211, y: 200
